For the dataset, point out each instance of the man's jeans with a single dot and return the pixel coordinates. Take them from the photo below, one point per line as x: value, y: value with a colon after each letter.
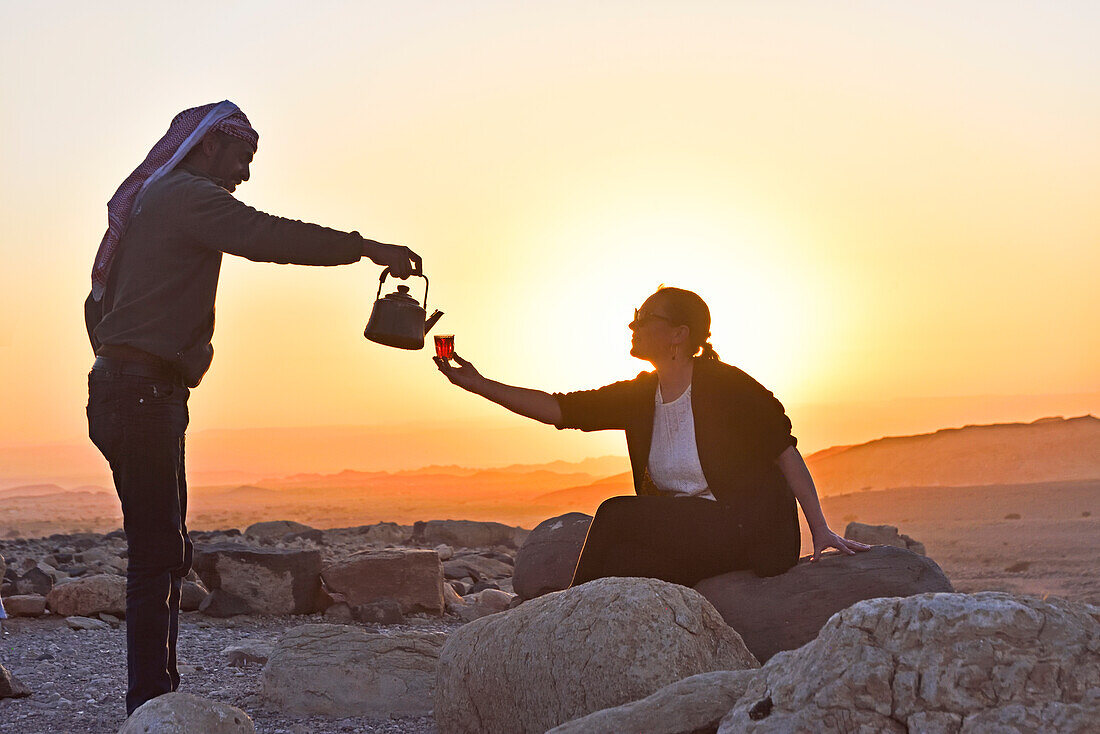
x: 138, y: 424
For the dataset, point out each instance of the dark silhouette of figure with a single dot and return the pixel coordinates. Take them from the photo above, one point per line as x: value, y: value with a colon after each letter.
x: 150, y: 318
x: 715, y: 466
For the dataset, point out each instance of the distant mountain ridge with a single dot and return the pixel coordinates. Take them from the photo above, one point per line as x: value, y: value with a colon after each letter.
x: 1047, y: 450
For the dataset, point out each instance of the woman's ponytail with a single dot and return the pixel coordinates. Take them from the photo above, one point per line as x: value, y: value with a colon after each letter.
x: 708, y: 352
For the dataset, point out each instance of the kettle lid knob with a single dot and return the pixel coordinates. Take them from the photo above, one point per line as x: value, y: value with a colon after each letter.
x: 403, y: 289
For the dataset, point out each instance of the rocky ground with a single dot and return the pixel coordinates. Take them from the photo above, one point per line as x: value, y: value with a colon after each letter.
x: 79, y: 678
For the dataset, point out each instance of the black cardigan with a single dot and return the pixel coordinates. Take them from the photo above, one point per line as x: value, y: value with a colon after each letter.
x: 740, y: 429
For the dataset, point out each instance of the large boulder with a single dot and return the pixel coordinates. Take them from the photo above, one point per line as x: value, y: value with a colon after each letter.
x: 567, y: 654
x: 268, y: 580
x: 982, y: 663
x: 787, y: 611
x: 275, y: 529
x: 183, y: 713
x: 694, y: 704
x: 546, y: 560
x: 882, y: 535
x: 336, y: 671
x: 412, y: 578
x: 89, y: 596
x: 467, y: 533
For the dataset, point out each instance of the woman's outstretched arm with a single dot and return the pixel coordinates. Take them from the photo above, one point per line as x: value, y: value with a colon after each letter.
x: 798, y: 477
x: 535, y: 404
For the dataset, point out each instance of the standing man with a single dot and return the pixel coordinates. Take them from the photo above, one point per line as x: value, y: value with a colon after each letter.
x: 150, y: 318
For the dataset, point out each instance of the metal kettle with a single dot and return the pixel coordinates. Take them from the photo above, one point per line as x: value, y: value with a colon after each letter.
x: 398, y: 319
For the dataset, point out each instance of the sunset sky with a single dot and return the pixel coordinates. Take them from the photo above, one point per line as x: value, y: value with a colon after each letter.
x: 884, y: 203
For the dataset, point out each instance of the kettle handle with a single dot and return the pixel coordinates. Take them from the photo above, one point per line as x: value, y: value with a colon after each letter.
x: 382, y: 279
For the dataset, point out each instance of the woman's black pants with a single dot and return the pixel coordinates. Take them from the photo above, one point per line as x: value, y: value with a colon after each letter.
x: 682, y: 540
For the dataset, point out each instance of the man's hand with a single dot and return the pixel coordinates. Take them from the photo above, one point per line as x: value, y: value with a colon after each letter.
x: 401, y: 261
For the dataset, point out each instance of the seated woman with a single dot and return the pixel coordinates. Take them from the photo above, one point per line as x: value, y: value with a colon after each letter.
x: 715, y: 465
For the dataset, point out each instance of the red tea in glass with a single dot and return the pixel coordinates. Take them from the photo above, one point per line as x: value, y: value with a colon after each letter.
x: 445, y: 346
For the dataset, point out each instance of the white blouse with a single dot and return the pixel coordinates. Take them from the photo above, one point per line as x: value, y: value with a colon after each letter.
x: 673, y: 454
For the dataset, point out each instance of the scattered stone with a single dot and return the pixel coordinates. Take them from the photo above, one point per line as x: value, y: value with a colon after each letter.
x: 694, y: 704
x: 567, y: 654
x: 88, y: 596
x: 484, y: 603
x: 385, y: 532
x: 268, y: 580
x: 1012, y: 516
x: 25, y: 605
x: 882, y: 535
x: 274, y: 529
x: 311, y: 534
x: 219, y: 603
x: 36, y: 580
x: 483, y: 585
x: 247, y: 653
x: 12, y: 687
x: 546, y: 560
x: 191, y: 595
x: 412, y: 578
x: 467, y: 533
x: 452, y: 600
x: 985, y: 662
x: 1018, y: 567
x: 339, y: 613
x: 183, y: 713
x: 787, y: 611
x: 103, y: 557
x: 383, y: 611
x: 477, y: 567
x: 337, y: 671
x: 86, y: 623
x: 444, y: 551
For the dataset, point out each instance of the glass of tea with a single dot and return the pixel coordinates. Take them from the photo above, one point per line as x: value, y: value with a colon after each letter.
x: 445, y: 346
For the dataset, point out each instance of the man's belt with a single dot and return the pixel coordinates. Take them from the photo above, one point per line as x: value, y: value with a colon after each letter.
x: 130, y: 361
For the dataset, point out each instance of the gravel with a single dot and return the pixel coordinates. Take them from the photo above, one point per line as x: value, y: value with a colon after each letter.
x: 79, y: 677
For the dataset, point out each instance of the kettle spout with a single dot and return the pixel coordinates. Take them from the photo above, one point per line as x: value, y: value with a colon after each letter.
x: 431, y: 320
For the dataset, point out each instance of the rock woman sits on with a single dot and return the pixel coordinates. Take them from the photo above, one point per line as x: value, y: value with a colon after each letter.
x: 715, y: 466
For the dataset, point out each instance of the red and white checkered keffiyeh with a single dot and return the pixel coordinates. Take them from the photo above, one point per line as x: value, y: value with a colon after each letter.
x: 186, y: 130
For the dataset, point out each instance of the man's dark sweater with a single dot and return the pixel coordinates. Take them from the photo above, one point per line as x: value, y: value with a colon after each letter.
x: 160, y: 296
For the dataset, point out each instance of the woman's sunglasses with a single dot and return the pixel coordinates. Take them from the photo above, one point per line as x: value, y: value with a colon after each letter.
x: 641, y: 318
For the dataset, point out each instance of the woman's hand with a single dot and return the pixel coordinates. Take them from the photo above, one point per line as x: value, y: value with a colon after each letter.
x: 465, y: 375
x: 535, y: 404
x: 825, y: 538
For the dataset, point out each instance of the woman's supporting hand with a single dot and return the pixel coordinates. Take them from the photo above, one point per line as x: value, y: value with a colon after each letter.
x: 798, y: 477
x: 535, y: 404
x: 825, y: 538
